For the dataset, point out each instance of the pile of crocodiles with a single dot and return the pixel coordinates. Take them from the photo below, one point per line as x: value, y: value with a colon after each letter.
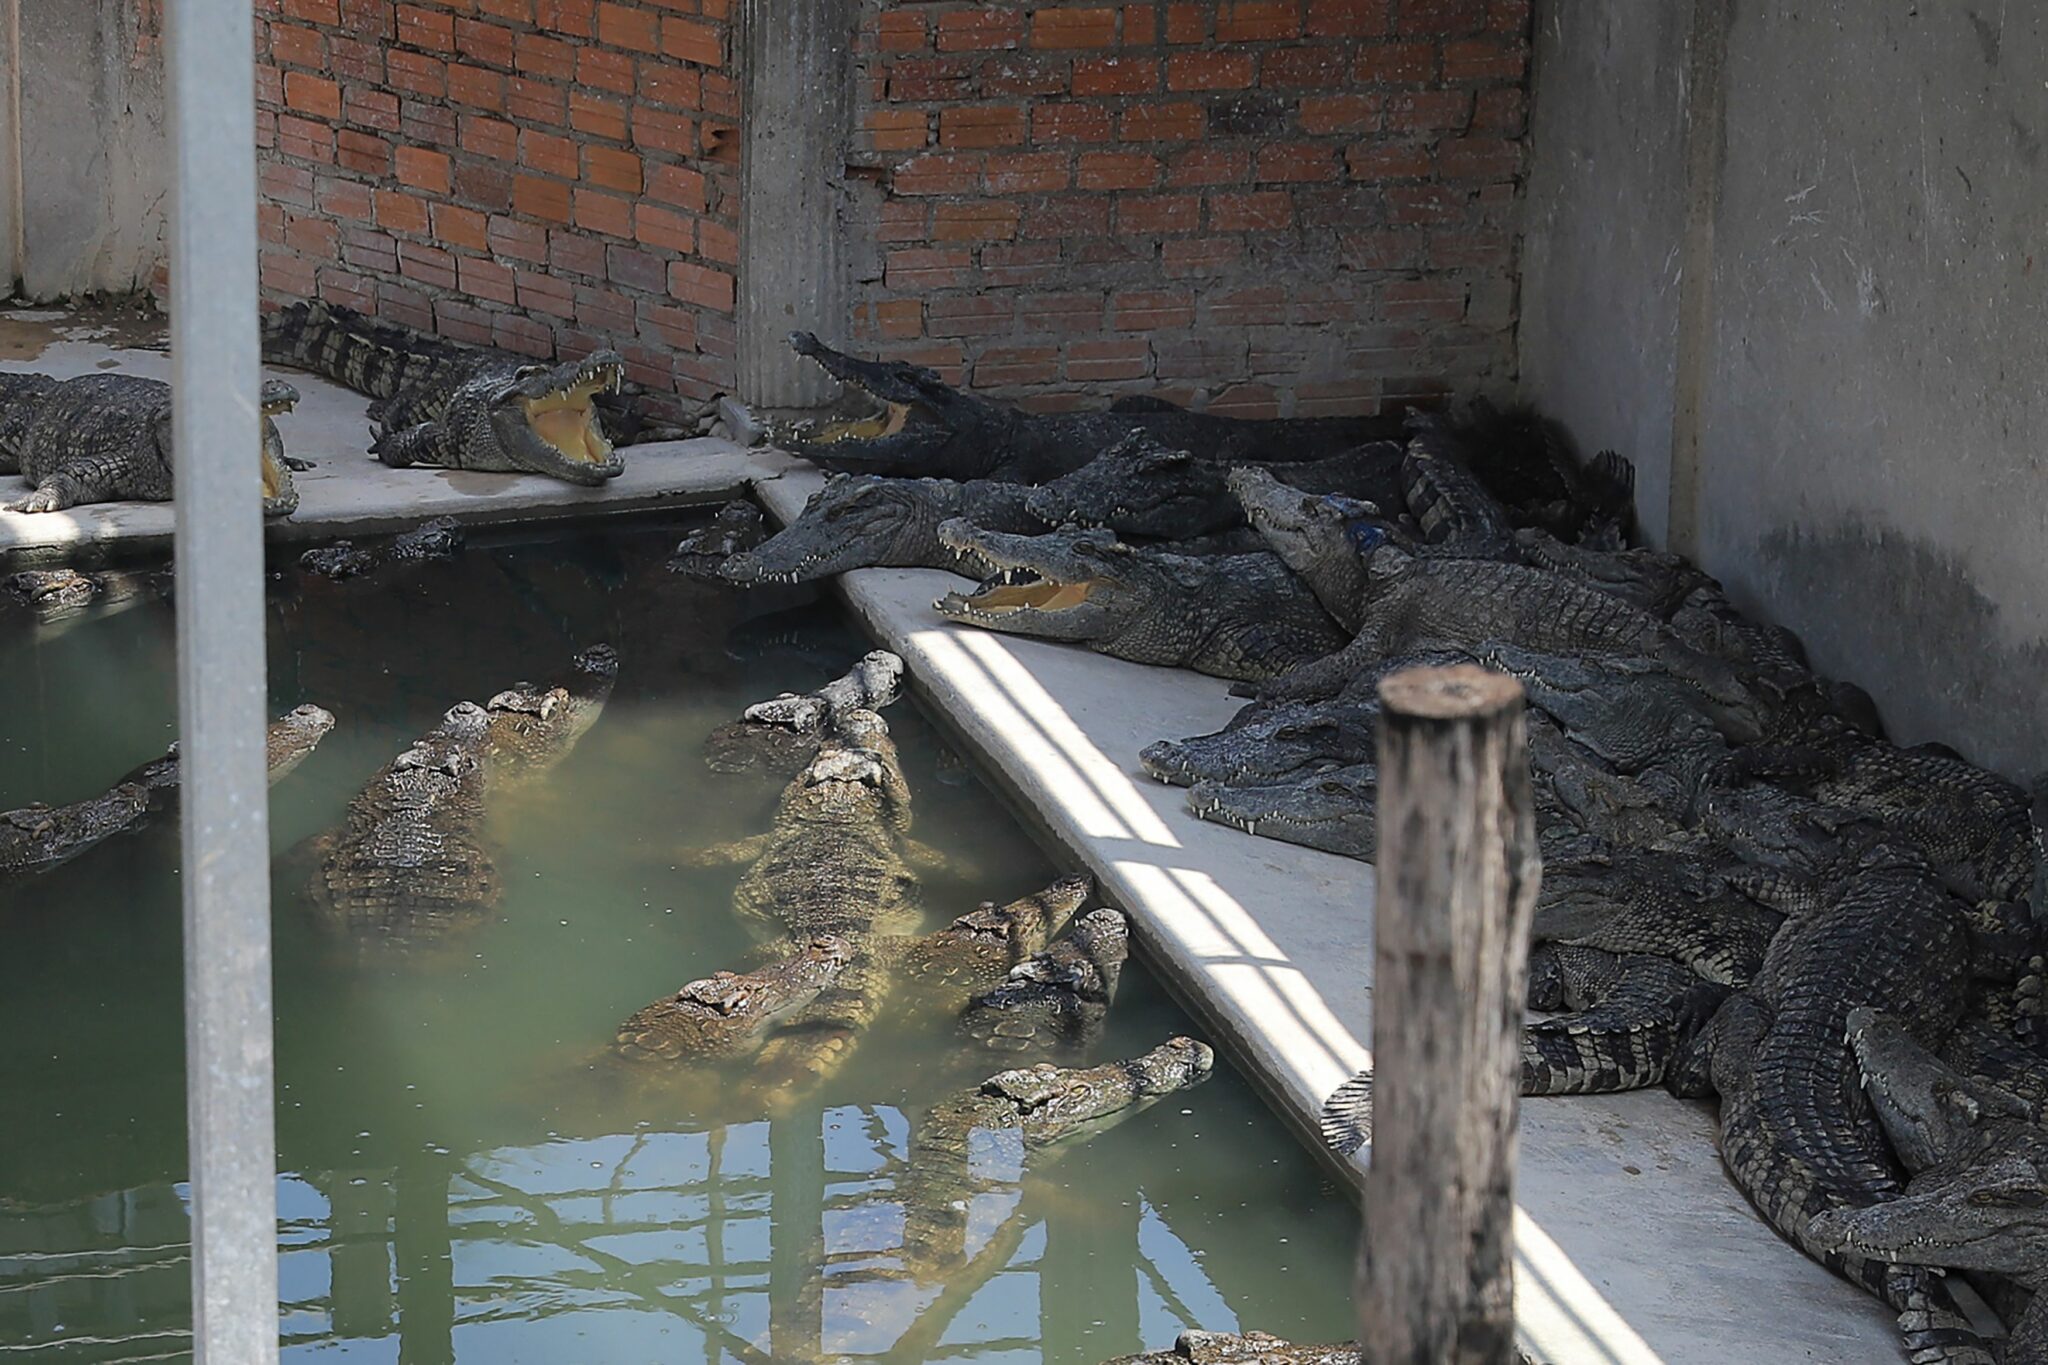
x: 1738, y: 862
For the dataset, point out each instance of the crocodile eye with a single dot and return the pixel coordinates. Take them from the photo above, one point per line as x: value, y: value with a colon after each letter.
x: 1288, y: 732
x: 528, y: 371
x: 2015, y: 1197
x: 1331, y: 787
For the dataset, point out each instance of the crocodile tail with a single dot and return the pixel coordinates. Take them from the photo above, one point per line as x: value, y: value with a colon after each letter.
x: 374, y: 358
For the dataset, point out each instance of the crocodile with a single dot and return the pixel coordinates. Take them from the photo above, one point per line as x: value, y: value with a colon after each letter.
x: 738, y: 528
x: 718, y: 1015
x: 1336, y: 810
x: 866, y: 521
x: 38, y: 837
x: 1631, y: 1014
x: 782, y: 734
x: 63, y: 594
x: 1526, y: 468
x: 1640, y: 900
x: 107, y: 438
x: 1060, y: 995
x: 838, y: 860
x: 946, y: 970
x: 927, y: 428
x: 1974, y: 826
x: 1230, y: 616
x: 440, y: 538
x: 1269, y: 742
x: 1797, y: 1133
x: 980, y: 1141
x: 412, y: 868
x: 1978, y: 1154
x: 1139, y: 487
x: 1244, y: 1348
x: 457, y: 407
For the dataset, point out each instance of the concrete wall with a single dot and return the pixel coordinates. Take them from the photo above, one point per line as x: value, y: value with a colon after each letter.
x: 1868, y: 354
x: 91, y: 145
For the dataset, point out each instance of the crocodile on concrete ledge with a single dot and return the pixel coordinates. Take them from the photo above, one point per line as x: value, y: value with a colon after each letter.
x: 1269, y: 742
x: 107, y: 438
x: 37, y: 837
x: 866, y: 521
x: 1978, y: 1199
x: 1230, y: 616
x: 927, y: 428
x: 457, y: 407
x: 411, y: 867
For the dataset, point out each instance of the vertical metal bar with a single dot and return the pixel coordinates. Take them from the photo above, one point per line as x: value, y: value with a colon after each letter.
x: 217, y: 435
x: 11, y: 235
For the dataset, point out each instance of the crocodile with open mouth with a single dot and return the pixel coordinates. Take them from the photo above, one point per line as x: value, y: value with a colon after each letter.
x: 37, y: 837
x: 412, y: 867
x: 107, y: 438
x: 1230, y: 616
x: 457, y: 407
x: 927, y: 428
x: 866, y: 521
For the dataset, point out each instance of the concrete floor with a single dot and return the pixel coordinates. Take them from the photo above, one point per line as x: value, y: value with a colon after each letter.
x: 1633, y: 1246
x: 346, y: 492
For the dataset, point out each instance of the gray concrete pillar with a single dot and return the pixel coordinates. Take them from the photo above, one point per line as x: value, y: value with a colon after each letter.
x: 10, y: 145
x: 1706, y: 150
x: 796, y: 65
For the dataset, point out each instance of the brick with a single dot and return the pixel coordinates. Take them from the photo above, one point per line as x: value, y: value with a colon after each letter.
x: 1429, y: 111
x: 420, y: 169
x: 455, y: 225
x: 299, y: 46
x: 970, y: 126
x: 937, y: 78
x: 312, y: 11
x: 1062, y: 313
x: 361, y: 153
x: 426, y: 28
x: 1349, y: 18
x: 1093, y: 362
x: 968, y: 315
x: 1409, y: 205
x: 525, y: 336
x: 634, y: 29
x: 1325, y: 114
x: 354, y: 61
x: 691, y: 41
x: 347, y: 199
x: 548, y: 153
x: 1187, y: 23
x: 405, y: 306
x: 482, y: 279
x: 985, y: 221
x: 1009, y: 265
x: 1071, y: 123
x: 538, y: 198
x: 1025, y: 172
x: 1263, y: 211
x: 597, y: 117
x: 1182, y: 258
x: 938, y: 174
x: 1211, y: 70
x: 678, y: 186
x: 897, y: 130
x: 1141, y: 24
x: 897, y: 31
x: 613, y: 71
x: 701, y: 285
x: 349, y: 291
x: 399, y: 212
x: 313, y: 237
x: 1012, y: 366
x: 1246, y: 400
x: 370, y: 108
x: 612, y: 169
x: 428, y: 265
x: 1159, y: 213
x: 546, y: 294
x: 1396, y: 64
x: 1068, y: 216
x: 508, y: 236
x: 1117, y: 171
x: 489, y: 137
x: 462, y: 322
x: 1069, y: 28
x: 659, y: 131
x: 1303, y: 68
x: 1210, y: 166
x: 488, y: 44
x: 1502, y: 111
x: 1115, y: 76
x: 634, y: 269
x: 1440, y: 18
x: 1245, y: 307
x: 484, y: 186
x: 1202, y: 359
x: 287, y: 274
x: 663, y: 228
x: 285, y: 184
x: 1479, y: 158
x: 982, y: 30
x: 304, y: 139
x: 1388, y: 161
x: 1296, y: 163
x: 1258, y: 21
x: 606, y: 213
x: 1485, y: 60
x: 1151, y: 310
x: 1180, y: 122
x: 679, y: 87
x: 535, y: 54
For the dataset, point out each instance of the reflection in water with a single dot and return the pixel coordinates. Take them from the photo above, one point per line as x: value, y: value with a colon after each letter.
x: 466, y: 1184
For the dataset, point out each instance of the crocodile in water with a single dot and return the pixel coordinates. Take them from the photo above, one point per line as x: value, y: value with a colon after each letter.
x: 1059, y: 996
x: 107, y: 438
x: 440, y: 538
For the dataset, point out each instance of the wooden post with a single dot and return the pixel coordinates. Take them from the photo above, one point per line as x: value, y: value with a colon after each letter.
x: 1458, y: 872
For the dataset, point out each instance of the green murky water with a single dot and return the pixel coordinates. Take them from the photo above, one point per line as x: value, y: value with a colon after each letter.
x: 460, y: 1183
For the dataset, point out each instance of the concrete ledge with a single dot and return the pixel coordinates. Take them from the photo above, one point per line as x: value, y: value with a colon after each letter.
x: 1633, y: 1244
x: 346, y: 492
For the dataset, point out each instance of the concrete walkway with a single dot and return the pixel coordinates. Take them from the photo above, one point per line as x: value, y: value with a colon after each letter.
x: 346, y: 492
x: 1633, y: 1245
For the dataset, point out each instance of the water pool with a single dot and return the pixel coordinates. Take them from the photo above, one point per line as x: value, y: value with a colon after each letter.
x: 459, y: 1180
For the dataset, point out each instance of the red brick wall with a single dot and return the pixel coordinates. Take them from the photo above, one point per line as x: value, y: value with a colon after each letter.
x: 536, y: 174
x: 1264, y: 206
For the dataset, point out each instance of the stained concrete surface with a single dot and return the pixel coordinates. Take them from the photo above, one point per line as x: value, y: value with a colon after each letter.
x: 1871, y: 472
x: 346, y: 492
x: 1632, y: 1244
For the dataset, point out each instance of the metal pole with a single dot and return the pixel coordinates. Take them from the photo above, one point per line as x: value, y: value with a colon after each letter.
x: 217, y: 435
